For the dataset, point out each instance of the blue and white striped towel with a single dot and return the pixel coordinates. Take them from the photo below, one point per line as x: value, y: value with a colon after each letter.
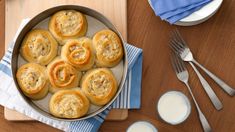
x: 129, y: 98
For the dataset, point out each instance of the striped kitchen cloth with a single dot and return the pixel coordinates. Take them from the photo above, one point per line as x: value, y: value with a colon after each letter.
x: 129, y: 98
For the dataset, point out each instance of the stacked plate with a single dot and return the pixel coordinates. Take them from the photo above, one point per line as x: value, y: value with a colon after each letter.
x: 201, y: 15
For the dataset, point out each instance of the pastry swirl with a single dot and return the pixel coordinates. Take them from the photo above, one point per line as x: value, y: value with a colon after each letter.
x: 67, y: 24
x: 99, y: 85
x: 69, y: 104
x: 39, y: 46
x: 79, y: 53
x: 33, y: 80
x: 108, y: 47
x: 62, y: 75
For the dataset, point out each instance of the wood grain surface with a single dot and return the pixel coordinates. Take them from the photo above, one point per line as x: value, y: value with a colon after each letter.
x: 213, y: 44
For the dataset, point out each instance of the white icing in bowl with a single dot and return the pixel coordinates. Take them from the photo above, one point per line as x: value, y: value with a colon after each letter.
x: 141, y: 126
x: 174, y: 107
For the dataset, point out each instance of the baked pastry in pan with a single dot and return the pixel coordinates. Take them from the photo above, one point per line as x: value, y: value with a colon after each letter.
x: 67, y: 24
x: 33, y: 80
x: 79, y: 53
x: 69, y: 104
x: 39, y: 46
x: 62, y: 75
x: 108, y: 48
x: 99, y: 85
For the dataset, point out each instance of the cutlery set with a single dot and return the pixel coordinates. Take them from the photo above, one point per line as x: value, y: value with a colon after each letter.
x: 181, y: 53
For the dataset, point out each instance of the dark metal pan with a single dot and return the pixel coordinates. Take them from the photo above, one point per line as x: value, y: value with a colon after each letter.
x: 40, y: 17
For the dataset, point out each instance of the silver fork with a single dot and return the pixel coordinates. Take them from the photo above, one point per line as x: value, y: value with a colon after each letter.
x: 182, y: 75
x: 181, y: 48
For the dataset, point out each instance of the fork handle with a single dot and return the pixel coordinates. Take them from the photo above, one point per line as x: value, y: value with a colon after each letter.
x: 214, y: 99
x: 220, y: 82
x: 205, y: 124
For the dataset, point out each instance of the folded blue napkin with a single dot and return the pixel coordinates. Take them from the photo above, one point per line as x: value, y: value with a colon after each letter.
x: 174, y: 10
x: 129, y: 98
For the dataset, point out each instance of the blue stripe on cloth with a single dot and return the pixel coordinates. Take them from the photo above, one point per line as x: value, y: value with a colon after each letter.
x: 5, y: 69
x: 8, y: 55
x: 5, y: 63
x: 123, y: 100
x: 133, y: 54
x: 117, y: 103
x: 136, y: 76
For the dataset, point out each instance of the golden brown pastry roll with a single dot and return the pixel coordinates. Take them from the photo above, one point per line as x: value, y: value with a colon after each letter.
x: 33, y: 80
x: 99, y: 85
x: 79, y: 53
x: 108, y: 47
x: 69, y: 104
x: 67, y: 24
x: 39, y: 46
x: 62, y: 75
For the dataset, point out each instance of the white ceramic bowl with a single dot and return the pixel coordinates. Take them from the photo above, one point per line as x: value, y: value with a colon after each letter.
x: 173, y: 107
x: 142, y: 126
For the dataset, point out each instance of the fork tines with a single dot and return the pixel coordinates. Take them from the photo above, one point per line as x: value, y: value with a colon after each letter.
x: 177, y: 36
x: 177, y: 43
x: 177, y: 63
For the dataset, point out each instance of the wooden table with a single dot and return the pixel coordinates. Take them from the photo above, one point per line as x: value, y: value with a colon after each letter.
x: 213, y: 44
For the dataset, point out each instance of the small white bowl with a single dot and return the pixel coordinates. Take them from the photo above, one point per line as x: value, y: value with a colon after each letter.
x: 173, y: 107
x: 141, y: 126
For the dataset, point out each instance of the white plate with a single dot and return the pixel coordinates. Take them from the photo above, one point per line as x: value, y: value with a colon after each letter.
x: 201, y: 15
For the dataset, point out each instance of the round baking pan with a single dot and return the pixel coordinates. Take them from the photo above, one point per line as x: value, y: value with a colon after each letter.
x: 39, y: 18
